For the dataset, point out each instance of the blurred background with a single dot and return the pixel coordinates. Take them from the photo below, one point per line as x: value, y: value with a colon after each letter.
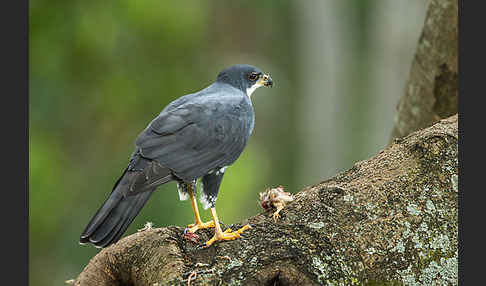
x: 100, y: 71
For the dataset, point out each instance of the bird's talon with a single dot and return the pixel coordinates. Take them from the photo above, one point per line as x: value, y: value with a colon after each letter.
x: 200, y: 225
x: 227, y: 235
x: 201, y: 246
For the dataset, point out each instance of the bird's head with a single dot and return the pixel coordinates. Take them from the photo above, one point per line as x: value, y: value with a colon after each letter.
x: 247, y: 78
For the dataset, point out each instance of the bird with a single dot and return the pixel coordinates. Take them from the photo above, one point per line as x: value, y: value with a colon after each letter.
x: 195, y: 137
x: 275, y: 198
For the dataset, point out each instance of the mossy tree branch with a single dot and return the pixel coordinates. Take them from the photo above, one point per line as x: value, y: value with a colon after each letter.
x: 391, y: 219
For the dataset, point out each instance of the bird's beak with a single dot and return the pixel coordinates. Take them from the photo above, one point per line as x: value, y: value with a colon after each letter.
x: 266, y: 80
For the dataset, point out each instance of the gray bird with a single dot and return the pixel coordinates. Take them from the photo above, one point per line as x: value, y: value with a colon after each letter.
x: 196, y: 136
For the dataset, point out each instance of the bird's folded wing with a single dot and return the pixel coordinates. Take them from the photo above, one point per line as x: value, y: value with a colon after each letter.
x: 192, y: 141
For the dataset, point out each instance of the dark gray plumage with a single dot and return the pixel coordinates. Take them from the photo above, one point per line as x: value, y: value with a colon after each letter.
x: 196, y: 136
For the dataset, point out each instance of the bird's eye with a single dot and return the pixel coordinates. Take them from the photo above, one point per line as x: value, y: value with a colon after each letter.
x: 253, y: 76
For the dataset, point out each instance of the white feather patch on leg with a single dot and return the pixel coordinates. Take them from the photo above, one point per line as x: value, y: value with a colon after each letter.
x: 221, y: 171
x: 183, y: 194
x: 207, y: 201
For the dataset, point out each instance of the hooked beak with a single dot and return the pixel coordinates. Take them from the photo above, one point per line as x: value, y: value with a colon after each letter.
x: 266, y: 80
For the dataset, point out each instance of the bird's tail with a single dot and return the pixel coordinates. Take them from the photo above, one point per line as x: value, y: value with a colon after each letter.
x: 113, y: 218
x: 119, y: 210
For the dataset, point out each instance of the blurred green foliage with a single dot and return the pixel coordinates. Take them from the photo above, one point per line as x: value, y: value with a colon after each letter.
x: 100, y: 71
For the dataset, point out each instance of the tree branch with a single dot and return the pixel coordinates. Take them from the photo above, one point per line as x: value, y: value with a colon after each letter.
x: 391, y: 219
x: 431, y: 90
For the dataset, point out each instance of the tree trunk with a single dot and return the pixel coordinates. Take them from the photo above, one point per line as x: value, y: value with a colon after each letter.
x: 431, y: 90
x: 389, y: 220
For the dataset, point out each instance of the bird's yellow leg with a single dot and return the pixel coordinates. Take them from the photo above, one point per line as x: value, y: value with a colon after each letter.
x: 227, y: 234
x: 198, y: 222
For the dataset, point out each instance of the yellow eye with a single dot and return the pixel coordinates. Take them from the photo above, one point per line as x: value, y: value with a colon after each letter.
x: 253, y: 76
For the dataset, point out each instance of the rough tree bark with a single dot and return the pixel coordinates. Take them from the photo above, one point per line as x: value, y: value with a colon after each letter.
x: 389, y: 220
x: 431, y: 90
